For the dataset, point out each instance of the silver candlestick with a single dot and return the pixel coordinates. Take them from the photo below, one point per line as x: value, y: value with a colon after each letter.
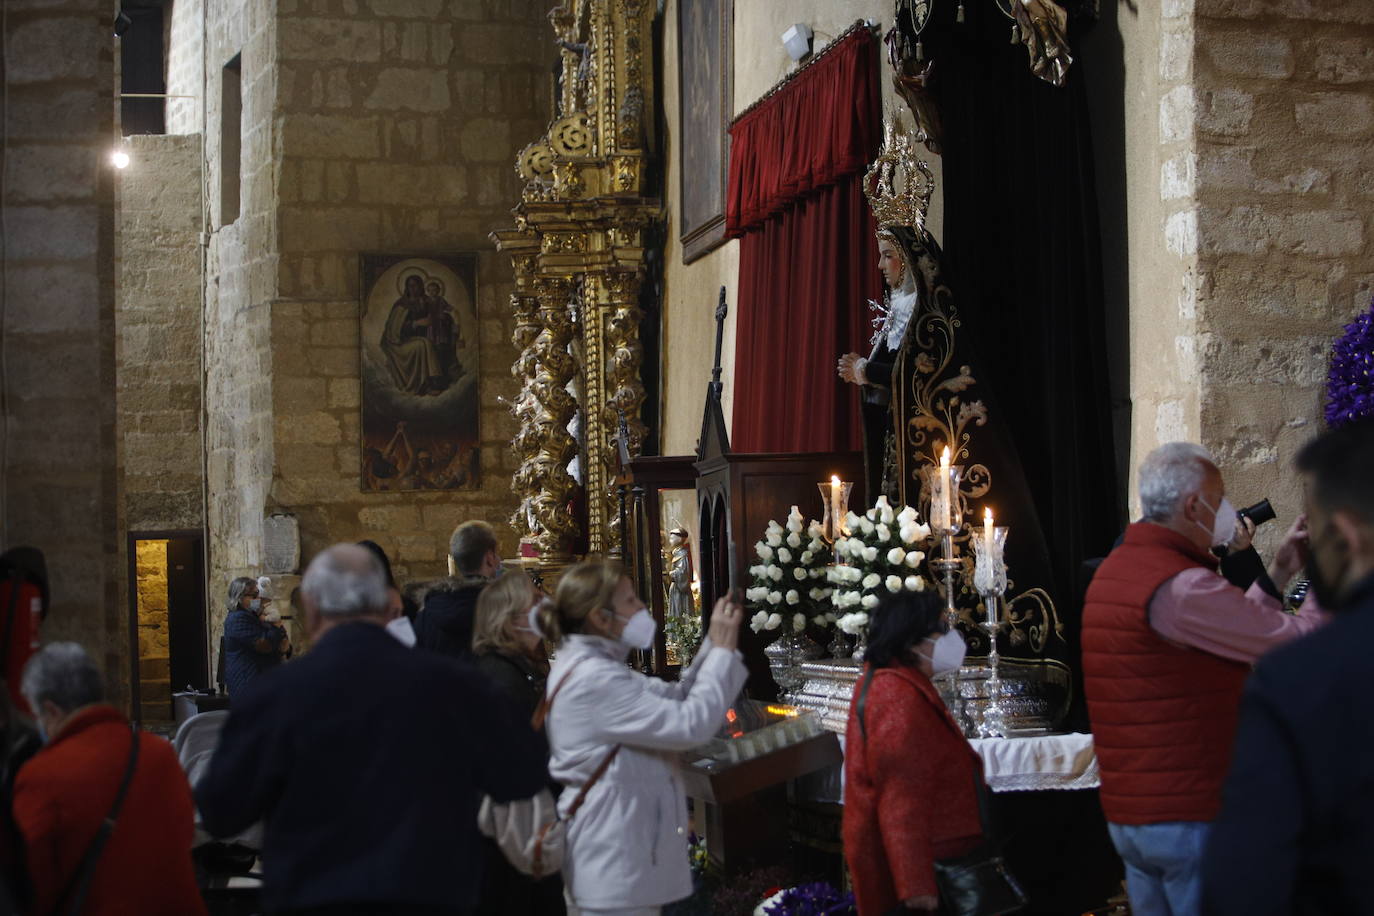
x: 990, y: 579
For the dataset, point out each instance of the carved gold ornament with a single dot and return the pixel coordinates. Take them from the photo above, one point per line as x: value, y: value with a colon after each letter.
x: 899, y: 184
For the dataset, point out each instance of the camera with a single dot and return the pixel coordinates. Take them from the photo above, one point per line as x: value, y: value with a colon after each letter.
x: 1259, y: 513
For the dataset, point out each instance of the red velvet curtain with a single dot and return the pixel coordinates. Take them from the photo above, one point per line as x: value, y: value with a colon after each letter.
x: 808, y: 259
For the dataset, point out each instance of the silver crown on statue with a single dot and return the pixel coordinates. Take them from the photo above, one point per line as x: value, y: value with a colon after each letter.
x: 899, y: 184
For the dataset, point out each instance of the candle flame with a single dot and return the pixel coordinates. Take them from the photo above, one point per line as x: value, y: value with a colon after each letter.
x: 987, y: 514
x: 944, y: 457
x: 834, y: 481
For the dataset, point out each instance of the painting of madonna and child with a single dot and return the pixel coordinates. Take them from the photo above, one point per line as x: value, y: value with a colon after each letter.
x: 419, y: 372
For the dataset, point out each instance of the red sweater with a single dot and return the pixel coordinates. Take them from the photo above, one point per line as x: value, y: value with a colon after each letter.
x: 1163, y: 715
x: 909, y: 796
x: 66, y: 790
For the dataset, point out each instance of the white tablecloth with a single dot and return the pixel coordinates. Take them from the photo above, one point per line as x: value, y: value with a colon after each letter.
x: 1038, y: 762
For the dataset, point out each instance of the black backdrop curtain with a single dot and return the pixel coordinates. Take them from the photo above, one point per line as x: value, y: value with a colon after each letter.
x: 1021, y: 235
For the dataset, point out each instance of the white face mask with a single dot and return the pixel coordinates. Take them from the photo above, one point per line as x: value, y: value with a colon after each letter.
x: 255, y: 605
x: 1224, y: 525
x: 947, y: 653
x: 639, y: 630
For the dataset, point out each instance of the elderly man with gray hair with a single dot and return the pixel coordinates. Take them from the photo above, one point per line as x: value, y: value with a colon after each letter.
x: 1167, y: 645
x: 94, y: 769
x: 366, y: 761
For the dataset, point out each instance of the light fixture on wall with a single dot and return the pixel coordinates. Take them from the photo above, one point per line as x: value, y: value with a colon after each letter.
x: 797, y: 41
x: 119, y: 159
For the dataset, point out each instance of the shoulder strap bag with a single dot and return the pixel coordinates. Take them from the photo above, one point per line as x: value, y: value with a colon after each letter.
x: 80, y: 884
x: 976, y: 883
x: 529, y: 832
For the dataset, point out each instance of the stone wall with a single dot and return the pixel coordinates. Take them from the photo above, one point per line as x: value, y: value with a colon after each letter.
x: 158, y: 322
x: 185, y: 65
x: 240, y: 284
x: 150, y: 563
x: 60, y: 486
x: 400, y: 122
x: 1266, y: 111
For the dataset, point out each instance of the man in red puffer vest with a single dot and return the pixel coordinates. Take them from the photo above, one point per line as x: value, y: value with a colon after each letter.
x: 1167, y: 645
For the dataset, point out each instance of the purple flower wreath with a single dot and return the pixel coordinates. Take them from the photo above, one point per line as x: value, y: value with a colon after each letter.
x: 1350, y: 381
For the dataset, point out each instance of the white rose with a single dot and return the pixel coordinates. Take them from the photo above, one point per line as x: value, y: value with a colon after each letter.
x: 914, y: 558
x: 756, y: 594
x: 893, y: 583
x: 882, y: 503
x: 784, y: 555
x: 798, y: 622
x: 865, y: 526
x: 871, y: 580
x: 774, y: 621
x: 907, y: 516
x: 774, y: 598
x: 774, y: 540
x: 827, y: 592
x: 764, y: 551
x: 851, y: 522
x: 775, y: 573
x: 829, y: 618
x: 793, y: 597
x: 907, y: 533
x: 799, y: 574
x: 807, y: 556
x: 757, y: 622
x: 814, y: 594
x: 895, y: 556
x: 759, y: 571
x: 794, y: 521
x: 869, y: 601
x: 815, y: 530
x: 854, y: 574
x: 794, y: 540
x: 819, y: 620
x: 884, y: 533
x: 916, y: 533
x: 915, y: 584
x: 870, y: 554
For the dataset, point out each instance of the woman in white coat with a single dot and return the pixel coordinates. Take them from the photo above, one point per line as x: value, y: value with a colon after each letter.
x: 627, y: 844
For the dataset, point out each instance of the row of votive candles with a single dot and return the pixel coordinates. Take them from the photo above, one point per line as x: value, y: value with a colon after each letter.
x: 772, y: 738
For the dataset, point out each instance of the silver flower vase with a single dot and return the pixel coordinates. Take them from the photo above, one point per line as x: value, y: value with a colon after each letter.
x: 785, y: 656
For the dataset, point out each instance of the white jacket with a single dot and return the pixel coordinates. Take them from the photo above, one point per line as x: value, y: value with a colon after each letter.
x: 627, y: 844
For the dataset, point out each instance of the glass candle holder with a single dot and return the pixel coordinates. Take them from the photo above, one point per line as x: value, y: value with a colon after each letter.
x: 835, y: 500
x: 989, y: 565
x: 945, y: 507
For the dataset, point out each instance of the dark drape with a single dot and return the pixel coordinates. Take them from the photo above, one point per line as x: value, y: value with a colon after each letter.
x: 807, y: 252
x: 1021, y: 234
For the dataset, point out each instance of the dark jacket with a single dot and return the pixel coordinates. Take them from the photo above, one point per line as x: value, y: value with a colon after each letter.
x: 242, y: 661
x: 505, y: 890
x: 444, y: 624
x: 367, y: 762
x: 66, y: 790
x: 1296, y: 829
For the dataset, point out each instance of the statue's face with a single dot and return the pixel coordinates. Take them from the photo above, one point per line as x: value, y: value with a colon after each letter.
x: 890, y: 262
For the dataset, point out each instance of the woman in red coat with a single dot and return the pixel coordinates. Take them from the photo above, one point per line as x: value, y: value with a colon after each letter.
x: 909, y: 771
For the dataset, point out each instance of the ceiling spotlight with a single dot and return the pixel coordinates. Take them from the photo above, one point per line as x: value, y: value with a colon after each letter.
x: 119, y: 159
x: 122, y: 23
x: 797, y: 40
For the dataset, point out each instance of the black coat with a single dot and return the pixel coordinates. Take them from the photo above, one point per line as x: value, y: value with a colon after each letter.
x: 367, y: 762
x: 444, y: 624
x: 505, y: 890
x: 1296, y: 830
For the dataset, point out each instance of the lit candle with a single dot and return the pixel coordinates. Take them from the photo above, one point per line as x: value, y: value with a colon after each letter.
x: 988, y: 539
x: 836, y: 523
x: 945, y: 508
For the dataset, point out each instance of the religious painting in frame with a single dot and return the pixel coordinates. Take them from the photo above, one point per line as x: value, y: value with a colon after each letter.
x: 705, y: 101
x: 418, y: 336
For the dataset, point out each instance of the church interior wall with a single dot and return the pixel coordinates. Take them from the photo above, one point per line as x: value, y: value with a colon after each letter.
x: 60, y: 486
x: 158, y: 324
x: 399, y: 126
x: 239, y: 287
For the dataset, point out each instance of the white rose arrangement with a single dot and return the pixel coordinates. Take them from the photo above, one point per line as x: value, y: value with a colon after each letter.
x: 790, y: 590
x: 882, y: 554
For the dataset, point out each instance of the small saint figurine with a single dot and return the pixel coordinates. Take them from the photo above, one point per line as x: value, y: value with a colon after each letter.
x: 680, y: 601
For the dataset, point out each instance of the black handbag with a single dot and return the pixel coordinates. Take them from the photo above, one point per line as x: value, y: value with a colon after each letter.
x: 977, y: 883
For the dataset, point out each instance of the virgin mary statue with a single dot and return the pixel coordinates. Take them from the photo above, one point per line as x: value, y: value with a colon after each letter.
x: 920, y: 384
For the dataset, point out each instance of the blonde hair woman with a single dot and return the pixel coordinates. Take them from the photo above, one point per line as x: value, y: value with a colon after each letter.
x: 510, y: 652
x: 627, y: 846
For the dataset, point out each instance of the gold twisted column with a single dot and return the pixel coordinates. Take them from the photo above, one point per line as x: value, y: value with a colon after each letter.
x: 525, y: 445
x: 625, y: 353
x: 551, y: 411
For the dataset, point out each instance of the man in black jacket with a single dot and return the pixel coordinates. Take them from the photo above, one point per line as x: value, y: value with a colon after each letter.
x: 1296, y: 831
x: 366, y: 761
x: 445, y: 622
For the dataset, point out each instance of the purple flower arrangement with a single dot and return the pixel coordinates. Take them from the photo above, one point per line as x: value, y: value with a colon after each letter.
x: 1350, y: 380
x: 818, y: 899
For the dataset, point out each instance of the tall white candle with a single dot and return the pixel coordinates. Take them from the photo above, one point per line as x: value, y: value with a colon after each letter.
x: 836, y: 523
x: 945, y: 507
x: 989, y: 540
